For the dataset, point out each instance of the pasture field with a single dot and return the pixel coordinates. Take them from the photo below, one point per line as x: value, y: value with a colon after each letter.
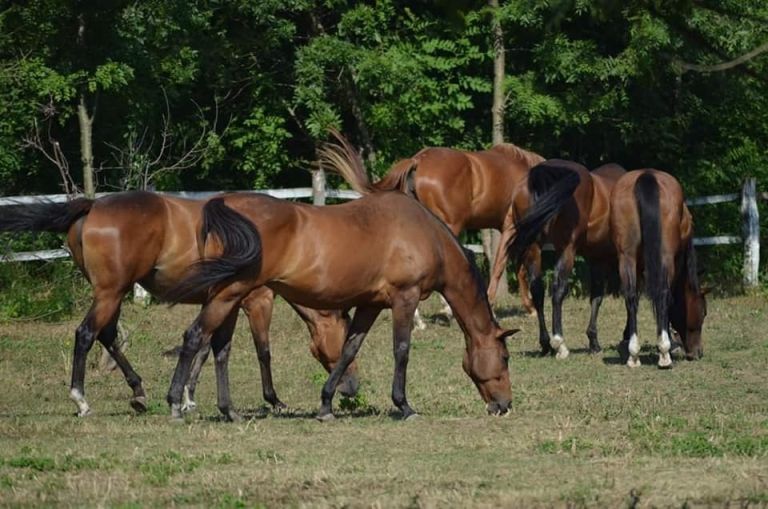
x: 586, y: 431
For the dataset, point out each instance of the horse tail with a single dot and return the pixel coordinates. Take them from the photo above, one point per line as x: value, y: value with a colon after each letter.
x: 43, y: 215
x: 400, y: 177
x: 648, y: 209
x: 241, y: 251
x: 343, y: 159
x: 550, y: 186
x: 691, y: 267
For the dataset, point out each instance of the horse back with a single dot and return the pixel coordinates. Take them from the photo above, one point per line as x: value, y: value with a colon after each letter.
x: 604, y: 180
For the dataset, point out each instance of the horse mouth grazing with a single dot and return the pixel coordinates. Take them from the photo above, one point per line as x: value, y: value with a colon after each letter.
x: 498, y: 409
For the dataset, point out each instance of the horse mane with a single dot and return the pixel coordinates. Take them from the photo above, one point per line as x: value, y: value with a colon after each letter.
x: 530, y: 158
x: 342, y: 158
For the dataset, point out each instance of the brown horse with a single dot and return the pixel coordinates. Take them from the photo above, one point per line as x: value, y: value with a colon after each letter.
x: 652, y: 228
x: 466, y: 190
x: 587, y: 232
x: 149, y: 238
x: 384, y: 250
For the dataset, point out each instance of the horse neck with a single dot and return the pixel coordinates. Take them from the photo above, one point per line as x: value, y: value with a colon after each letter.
x: 466, y: 296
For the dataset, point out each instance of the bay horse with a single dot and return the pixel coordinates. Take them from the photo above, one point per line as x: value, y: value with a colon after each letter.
x: 465, y: 189
x: 384, y: 250
x: 652, y: 228
x: 143, y: 237
x: 584, y: 229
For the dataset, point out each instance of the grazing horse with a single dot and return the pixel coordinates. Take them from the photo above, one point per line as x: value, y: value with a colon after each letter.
x: 594, y: 242
x: 652, y: 228
x: 466, y: 190
x: 151, y: 239
x: 384, y: 250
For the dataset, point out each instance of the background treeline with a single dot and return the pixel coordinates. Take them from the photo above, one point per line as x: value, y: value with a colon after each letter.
x: 236, y: 94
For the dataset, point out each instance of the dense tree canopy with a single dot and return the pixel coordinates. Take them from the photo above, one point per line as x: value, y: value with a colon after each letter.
x: 223, y: 94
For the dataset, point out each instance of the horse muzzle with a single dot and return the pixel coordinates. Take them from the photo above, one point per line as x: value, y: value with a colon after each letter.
x: 498, y: 408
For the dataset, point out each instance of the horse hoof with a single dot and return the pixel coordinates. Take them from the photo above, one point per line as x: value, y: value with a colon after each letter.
x: 665, y: 361
x: 562, y: 352
x: 633, y: 363
x: 279, y: 406
x: 139, y: 404
x: 412, y: 417
x: 325, y: 417
x: 188, y: 407
x: 84, y: 413
x: 231, y: 416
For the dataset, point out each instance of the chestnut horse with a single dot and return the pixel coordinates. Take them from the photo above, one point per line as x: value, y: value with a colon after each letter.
x: 652, y: 228
x: 384, y: 250
x: 466, y: 190
x: 586, y: 233
x: 143, y: 237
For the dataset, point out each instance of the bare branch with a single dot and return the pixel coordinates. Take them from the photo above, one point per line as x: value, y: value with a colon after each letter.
x: 51, y: 148
x: 723, y: 66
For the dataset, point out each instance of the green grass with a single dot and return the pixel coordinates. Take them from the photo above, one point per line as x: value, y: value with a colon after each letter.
x: 583, y: 432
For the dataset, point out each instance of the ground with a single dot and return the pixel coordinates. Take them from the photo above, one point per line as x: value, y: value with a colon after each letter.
x: 586, y: 431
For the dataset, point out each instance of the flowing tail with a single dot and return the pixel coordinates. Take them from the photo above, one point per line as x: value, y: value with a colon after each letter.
x: 241, y: 251
x: 43, y: 216
x: 550, y: 187
x: 647, y: 198
x: 342, y: 158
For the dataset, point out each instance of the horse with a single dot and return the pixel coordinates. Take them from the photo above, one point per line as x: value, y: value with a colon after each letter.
x: 586, y: 232
x: 143, y: 237
x: 465, y: 189
x: 384, y: 250
x: 652, y: 228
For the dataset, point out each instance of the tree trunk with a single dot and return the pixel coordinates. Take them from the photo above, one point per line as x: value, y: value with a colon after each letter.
x: 491, y: 237
x: 86, y: 146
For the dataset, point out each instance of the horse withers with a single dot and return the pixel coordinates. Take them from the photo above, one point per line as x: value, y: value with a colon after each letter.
x: 384, y: 250
x: 653, y: 229
x: 143, y: 237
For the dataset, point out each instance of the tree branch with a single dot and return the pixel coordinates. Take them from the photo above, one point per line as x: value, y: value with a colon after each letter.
x: 723, y: 66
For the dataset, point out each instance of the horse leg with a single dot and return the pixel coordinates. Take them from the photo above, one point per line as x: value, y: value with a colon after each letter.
x: 596, y: 293
x: 662, y: 318
x: 629, y: 289
x: 189, y: 403
x: 258, y: 307
x: 563, y: 269
x: 211, y: 317
x: 537, y: 293
x: 525, y: 291
x: 402, y: 314
x: 221, y: 343
x: 107, y: 338
x: 103, y: 310
x: 361, y: 324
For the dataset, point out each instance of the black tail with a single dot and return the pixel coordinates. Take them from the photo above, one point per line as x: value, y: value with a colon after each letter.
x: 43, y: 216
x: 647, y: 198
x: 550, y: 187
x: 241, y: 246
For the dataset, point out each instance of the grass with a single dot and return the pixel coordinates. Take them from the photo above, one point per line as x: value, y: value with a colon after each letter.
x: 583, y: 432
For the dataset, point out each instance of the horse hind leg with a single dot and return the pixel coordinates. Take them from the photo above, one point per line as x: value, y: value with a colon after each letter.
x: 629, y: 288
x: 402, y: 314
x: 221, y: 343
x: 596, y: 293
x: 107, y: 337
x: 662, y: 326
x: 102, y: 313
x: 563, y: 269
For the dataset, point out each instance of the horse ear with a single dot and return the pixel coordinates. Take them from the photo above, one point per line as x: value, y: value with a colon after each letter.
x: 507, y: 333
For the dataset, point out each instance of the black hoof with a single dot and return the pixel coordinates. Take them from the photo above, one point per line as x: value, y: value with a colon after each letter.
x: 325, y: 417
x: 139, y: 404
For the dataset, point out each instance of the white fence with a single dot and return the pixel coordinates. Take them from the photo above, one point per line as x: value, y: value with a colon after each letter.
x: 750, y: 235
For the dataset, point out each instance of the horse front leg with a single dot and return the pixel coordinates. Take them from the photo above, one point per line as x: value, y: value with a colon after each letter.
x: 361, y: 324
x: 563, y: 269
x: 536, y: 281
x: 596, y: 293
x: 402, y: 315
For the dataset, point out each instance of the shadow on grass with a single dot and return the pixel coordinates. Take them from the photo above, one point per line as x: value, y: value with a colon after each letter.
x: 577, y: 351
x: 515, y: 312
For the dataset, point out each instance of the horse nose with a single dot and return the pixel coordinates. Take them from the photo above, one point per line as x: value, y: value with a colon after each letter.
x: 498, y: 407
x: 349, y: 385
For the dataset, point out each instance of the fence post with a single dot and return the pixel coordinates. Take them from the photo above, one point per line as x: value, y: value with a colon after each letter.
x: 751, y: 229
x: 318, y: 186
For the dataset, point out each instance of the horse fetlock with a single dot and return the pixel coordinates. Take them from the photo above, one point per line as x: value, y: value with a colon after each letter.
x: 177, y: 413
x: 558, y: 345
x: 83, y: 408
x: 139, y: 404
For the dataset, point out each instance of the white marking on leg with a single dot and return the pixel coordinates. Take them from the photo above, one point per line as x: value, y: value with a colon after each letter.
x: 558, y: 343
x: 176, y: 413
x: 418, y: 323
x: 634, y: 352
x: 665, y: 360
x: 447, y: 311
x: 188, y: 404
x: 83, y: 408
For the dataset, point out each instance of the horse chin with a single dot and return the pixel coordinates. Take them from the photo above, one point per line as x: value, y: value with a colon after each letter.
x: 349, y: 386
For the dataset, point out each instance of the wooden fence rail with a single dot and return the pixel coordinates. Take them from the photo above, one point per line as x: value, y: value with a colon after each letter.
x: 319, y: 193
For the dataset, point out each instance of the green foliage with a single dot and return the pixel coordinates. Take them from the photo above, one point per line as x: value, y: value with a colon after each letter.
x: 46, y: 291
